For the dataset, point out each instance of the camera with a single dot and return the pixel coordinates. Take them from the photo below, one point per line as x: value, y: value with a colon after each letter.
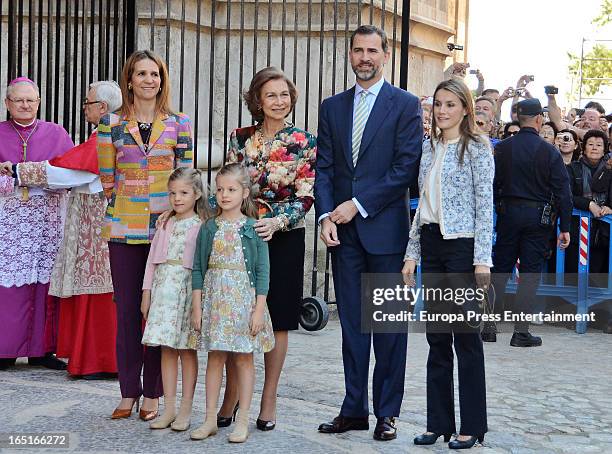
x: 531, y: 78
x: 551, y: 90
x: 452, y: 46
x: 473, y: 71
x: 566, y: 137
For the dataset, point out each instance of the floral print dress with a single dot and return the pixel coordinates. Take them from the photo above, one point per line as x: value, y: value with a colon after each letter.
x: 228, y: 299
x: 169, y: 319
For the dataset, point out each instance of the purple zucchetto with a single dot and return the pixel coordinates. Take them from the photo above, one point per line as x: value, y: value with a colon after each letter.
x: 21, y: 79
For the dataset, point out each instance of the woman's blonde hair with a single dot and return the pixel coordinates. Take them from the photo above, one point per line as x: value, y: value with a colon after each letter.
x: 193, y: 176
x: 162, y: 103
x: 237, y: 170
x: 467, y: 128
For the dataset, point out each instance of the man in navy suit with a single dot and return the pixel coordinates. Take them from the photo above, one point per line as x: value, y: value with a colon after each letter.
x: 369, y: 146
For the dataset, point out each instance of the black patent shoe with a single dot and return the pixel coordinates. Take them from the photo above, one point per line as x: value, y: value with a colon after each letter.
x: 525, y: 340
x: 466, y: 444
x: 341, y: 424
x: 265, y: 425
x: 385, y: 429
x: 222, y: 421
x: 430, y: 439
x: 49, y: 361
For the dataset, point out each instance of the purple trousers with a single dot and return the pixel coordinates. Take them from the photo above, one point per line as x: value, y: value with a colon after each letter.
x: 128, y: 263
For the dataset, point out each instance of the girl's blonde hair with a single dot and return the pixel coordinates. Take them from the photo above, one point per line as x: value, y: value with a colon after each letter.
x: 194, y: 176
x: 248, y: 207
x: 467, y: 128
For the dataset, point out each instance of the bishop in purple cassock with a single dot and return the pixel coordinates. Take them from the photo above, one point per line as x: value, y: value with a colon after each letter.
x: 31, y: 228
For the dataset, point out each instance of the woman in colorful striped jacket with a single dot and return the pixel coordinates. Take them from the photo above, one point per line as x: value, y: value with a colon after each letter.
x: 138, y: 148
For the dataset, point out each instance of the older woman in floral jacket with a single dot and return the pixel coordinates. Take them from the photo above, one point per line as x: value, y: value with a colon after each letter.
x: 280, y: 159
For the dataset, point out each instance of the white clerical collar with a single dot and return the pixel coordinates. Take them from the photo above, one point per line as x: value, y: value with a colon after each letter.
x: 24, y: 126
x: 374, y: 89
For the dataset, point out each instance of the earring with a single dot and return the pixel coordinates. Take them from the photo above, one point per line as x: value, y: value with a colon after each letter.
x: 160, y: 88
x: 129, y: 86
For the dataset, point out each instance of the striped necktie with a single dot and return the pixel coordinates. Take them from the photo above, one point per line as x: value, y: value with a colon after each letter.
x: 361, y: 118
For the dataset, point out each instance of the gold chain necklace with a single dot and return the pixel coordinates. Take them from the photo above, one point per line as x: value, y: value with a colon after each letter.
x: 25, y: 194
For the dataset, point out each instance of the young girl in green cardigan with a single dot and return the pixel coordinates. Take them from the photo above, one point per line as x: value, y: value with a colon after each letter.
x: 230, y: 284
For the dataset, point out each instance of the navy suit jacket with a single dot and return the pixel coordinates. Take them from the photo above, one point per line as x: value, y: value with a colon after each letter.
x: 388, y: 164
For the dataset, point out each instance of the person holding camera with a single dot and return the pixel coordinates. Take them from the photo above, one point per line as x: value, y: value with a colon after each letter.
x: 530, y: 185
x: 569, y: 146
x: 591, y: 186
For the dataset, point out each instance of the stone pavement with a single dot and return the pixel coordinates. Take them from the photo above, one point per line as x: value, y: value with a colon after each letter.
x: 556, y: 398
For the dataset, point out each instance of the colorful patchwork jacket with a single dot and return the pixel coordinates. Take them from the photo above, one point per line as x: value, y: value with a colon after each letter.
x: 135, y: 176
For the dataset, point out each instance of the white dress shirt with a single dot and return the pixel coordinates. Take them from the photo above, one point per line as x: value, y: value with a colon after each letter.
x: 373, y: 92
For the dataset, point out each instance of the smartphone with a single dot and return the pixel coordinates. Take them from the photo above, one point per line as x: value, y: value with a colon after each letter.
x: 473, y: 71
x: 551, y: 90
x: 531, y: 78
x: 579, y: 112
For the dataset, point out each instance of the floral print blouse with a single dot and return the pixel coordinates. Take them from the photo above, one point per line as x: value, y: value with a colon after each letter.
x: 282, y: 170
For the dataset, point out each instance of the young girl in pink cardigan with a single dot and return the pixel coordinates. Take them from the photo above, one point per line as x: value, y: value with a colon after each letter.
x: 166, y: 295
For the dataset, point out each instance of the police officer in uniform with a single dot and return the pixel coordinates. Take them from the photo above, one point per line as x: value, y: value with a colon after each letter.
x: 531, y: 186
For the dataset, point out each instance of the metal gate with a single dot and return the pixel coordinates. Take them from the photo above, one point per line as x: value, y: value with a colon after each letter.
x: 212, y: 49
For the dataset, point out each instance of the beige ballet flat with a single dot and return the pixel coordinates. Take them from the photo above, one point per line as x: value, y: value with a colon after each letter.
x: 241, y: 430
x: 206, y: 430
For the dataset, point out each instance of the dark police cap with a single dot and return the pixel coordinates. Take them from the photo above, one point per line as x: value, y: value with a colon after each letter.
x: 529, y: 107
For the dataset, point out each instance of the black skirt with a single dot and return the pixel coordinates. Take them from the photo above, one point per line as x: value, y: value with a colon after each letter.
x: 287, y: 251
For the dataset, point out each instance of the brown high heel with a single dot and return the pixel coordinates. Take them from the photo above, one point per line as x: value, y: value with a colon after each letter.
x: 148, y: 415
x: 121, y: 413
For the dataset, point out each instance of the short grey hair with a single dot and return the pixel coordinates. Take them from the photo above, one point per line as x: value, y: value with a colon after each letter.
x: 10, y: 88
x: 108, y: 91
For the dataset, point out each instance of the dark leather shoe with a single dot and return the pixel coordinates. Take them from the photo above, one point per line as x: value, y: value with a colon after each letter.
x: 525, y: 340
x: 49, y: 361
x: 488, y: 336
x: 385, y: 429
x: 430, y: 439
x: 342, y: 424
x: 467, y: 444
x: 5, y: 363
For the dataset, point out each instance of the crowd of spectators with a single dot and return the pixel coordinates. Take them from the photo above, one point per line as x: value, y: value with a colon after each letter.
x: 583, y: 138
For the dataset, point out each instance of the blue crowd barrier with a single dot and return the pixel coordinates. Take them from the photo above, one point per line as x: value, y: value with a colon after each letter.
x: 581, y: 295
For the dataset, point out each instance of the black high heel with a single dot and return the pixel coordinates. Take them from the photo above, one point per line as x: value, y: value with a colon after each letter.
x: 430, y: 439
x: 466, y: 444
x: 222, y: 421
x: 265, y: 425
